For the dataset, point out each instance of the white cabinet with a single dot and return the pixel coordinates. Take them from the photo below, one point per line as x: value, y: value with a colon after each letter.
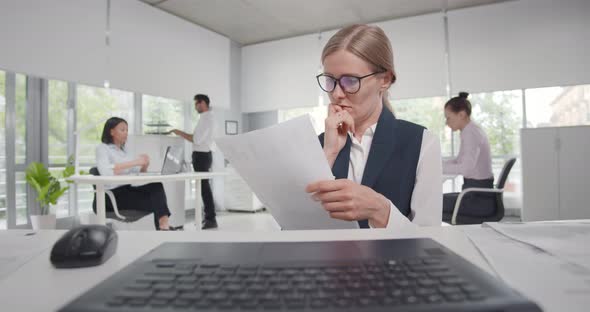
x: 556, y: 173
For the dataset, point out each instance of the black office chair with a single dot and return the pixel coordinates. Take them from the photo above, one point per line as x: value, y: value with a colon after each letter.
x: 126, y: 215
x: 457, y: 218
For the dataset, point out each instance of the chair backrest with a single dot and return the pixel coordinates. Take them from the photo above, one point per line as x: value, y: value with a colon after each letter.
x: 504, y: 173
x: 94, y: 171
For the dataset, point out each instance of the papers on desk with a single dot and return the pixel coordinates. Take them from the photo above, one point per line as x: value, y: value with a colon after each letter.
x: 565, y: 240
x: 278, y: 163
x: 539, y: 261
x: 17, y: 252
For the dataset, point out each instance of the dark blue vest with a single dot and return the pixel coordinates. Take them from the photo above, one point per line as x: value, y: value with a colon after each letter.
x: 392, y: 162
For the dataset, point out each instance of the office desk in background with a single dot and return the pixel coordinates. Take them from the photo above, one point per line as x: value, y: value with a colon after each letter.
x: 52, y: 288
x: 101, y: 181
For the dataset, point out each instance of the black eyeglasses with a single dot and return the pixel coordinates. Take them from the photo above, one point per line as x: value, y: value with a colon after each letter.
x: 349, y: 84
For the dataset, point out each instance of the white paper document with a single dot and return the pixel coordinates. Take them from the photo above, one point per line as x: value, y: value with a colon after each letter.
x: 554, y: 283
x: 278, y: 163
x: 17, y: 250
x: 565, y: 240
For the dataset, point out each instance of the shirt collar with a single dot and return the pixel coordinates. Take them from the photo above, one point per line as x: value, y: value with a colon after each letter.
x: 370, y: 132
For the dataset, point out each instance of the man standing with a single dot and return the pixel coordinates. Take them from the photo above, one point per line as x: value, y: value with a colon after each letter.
x: 202, y: 138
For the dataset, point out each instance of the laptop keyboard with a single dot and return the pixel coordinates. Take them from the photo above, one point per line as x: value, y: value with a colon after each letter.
x: 184, y: 285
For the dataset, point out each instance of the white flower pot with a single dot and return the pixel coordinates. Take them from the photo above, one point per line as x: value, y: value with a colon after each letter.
x: 43, y: 222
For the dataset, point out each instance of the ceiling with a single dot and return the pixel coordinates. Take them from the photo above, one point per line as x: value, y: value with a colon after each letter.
x: 254, y: 21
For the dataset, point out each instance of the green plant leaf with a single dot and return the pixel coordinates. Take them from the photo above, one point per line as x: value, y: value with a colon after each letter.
x: 48, y: 187
x: 42, y: 194
x: 68, y: 171
x: 54, y: 196
x: 37, y: 175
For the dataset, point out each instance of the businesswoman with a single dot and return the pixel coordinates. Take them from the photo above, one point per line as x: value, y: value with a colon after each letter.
x: 474, y: 161
x: 113, y: 159
x: 388, y: 171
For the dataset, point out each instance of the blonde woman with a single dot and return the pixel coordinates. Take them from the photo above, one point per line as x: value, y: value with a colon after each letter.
x: 388, y: 171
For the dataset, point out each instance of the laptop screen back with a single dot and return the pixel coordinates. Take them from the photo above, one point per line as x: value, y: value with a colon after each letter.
x: 173, y: 160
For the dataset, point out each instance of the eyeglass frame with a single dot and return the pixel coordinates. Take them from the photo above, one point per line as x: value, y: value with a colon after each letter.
x: 337, y: 81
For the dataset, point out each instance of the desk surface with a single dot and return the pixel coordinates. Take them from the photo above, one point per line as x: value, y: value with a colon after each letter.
x: 38, y: 279
x: 37, y: 286
x: 136, y: 179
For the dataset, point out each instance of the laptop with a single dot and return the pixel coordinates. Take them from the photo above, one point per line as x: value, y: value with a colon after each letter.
x: 173, y: 162
x: 378, y: 275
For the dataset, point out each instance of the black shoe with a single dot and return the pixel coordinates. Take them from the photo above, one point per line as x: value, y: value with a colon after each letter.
x: 209, y: 224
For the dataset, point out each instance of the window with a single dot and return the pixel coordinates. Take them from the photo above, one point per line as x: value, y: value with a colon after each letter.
x: 58, y: 135
x: 500, y: 115
x: 3, y: 204
x: 94, y: 106
x: 318, y: 115
x: 558, y: 106
x: 21, y: 148
x: 427, y: 112
x: 161, y: 114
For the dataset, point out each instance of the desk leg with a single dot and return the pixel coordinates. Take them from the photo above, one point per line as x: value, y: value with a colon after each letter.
x: 100, y: 204
x: 198, y: 208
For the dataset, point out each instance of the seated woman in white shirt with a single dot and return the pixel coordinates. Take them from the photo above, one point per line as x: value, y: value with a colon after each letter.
x: 474, y: 161
x: 113, y: 159
x: 388, y: 171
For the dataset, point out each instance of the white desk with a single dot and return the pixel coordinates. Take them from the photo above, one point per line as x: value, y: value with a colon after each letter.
x: 101, y: 181
x: 37, y: 286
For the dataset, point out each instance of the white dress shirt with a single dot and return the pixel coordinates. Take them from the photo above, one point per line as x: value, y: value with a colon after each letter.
x: 107, y: 155
x: 426, y: 203
x: 474, y: 160
x: 203, y: 134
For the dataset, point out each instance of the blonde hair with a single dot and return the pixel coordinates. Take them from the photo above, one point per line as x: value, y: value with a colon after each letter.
x: 368, y: 43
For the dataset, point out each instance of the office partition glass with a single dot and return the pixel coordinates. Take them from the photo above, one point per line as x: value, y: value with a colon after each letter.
x: 558, y: 106
x: 3, y: 204
x: 21, y: 147
x: 93, y: 107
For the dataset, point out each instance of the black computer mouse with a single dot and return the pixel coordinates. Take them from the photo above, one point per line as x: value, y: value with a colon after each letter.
x: 84, y: 246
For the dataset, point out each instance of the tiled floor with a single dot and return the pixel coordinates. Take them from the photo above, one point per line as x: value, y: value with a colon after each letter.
x: 240, y: 222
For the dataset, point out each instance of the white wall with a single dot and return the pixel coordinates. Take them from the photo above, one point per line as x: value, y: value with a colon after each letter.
x: 504, y: 46
x: 151, y: 52
x: 520, y: 44
x: 281, y: 74
x: 418, y: 55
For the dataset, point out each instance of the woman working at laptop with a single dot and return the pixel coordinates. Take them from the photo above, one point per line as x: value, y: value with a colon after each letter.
x: 113, y: 159
x: 388, y: 171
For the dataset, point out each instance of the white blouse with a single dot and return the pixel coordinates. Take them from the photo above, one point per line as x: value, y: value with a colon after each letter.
x: 107, y: 155
x: 474, y: 160
x: 426, y: 203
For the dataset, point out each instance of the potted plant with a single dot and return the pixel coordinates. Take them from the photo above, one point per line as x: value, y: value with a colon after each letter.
x: 49, y: 189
